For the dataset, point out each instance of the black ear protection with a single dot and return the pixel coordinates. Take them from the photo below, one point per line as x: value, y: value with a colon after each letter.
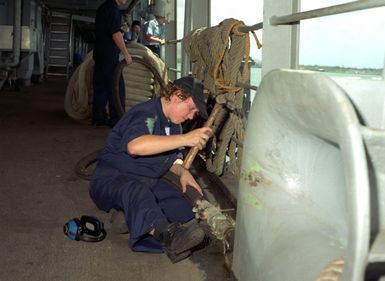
x: 88, y: 229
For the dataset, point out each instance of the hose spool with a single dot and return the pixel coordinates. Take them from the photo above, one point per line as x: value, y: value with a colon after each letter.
x: 135, y: 92
x: 143, y: 79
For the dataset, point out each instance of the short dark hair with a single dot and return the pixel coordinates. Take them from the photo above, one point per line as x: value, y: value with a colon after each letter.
x: 186, y: 87
x: 135, y: 22
x: 172, y: 89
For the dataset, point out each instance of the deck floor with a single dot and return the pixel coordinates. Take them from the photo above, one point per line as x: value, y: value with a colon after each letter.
x: 39, y: 147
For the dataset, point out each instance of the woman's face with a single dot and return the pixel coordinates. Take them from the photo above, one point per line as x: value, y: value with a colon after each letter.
x: 181, y: 110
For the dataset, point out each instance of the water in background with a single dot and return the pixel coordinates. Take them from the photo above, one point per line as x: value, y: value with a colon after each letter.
x: 255, y: 77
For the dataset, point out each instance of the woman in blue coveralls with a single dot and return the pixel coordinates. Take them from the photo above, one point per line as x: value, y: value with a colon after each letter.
x: 109, y: 41
x: 142, y: 147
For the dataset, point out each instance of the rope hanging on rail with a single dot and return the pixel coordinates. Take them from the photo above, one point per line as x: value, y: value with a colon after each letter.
x: 217, y: 54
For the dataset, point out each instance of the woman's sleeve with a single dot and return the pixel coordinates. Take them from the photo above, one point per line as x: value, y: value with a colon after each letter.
x: 140, y: 124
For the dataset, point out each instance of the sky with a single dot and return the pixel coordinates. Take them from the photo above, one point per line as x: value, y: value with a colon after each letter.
x: 355, y: 39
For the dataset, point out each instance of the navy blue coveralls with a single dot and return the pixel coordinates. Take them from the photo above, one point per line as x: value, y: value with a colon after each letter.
x: 108, y: 20
x: 133, y: 184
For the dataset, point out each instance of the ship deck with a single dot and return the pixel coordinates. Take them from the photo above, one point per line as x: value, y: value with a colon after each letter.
x: 40, y: 146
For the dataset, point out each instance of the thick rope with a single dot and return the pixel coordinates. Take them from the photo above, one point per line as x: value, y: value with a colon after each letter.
x: 76, y: 102
x: 217, y: 54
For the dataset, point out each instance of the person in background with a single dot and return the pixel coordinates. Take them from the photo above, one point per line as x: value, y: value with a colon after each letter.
x: 109, y: 41
x: 134, y: 34
x: 124, y: 29
x: 154, y: 33
x: 142, y: 147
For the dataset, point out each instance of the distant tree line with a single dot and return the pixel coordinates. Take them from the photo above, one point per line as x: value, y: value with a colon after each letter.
x: 323, y: 68
x: 370, y: 71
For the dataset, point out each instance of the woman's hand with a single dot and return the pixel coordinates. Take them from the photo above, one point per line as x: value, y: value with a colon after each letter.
x: 128, y: 58
x: 198, y: 137
x: 186, y: 179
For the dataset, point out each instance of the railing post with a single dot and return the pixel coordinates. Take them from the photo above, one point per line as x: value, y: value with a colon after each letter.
x: 280, y: 43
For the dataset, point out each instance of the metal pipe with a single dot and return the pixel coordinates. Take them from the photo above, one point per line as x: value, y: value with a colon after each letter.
x: 187, y: 28
x: 332, y: 10
x: 174, y: 69
x: 242, y: 85
x: 15, y: 59
x: 256, y: 26
x: 174, y: 41
x: 246, y: 86
x: 243, y: 29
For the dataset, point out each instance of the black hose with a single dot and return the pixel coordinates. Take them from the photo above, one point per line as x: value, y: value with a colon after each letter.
x: 116, y: 77
x: 82, y: 167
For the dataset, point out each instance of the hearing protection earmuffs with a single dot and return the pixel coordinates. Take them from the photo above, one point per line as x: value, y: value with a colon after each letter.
x: 88, y: 229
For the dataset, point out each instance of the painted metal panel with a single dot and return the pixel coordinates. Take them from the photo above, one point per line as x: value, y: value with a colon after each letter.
x: 28, y: 38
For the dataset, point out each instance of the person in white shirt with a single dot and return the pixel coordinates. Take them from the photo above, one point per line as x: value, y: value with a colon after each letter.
x: 154, y: 33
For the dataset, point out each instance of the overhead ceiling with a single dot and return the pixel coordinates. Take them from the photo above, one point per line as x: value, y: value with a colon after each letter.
x: 83, y: 7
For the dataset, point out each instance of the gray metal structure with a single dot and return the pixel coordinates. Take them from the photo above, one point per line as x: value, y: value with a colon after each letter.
x: 314, y: 179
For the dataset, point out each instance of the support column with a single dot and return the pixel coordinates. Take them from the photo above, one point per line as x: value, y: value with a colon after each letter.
x: 194, y: 18
x: 280, y: 43
x: 170, y: 49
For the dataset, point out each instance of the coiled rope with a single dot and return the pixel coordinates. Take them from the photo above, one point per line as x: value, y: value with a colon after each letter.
x: 217, y: 54
x: 79, y: 92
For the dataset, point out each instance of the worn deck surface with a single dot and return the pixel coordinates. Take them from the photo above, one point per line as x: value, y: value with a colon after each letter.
x: 39, y: 147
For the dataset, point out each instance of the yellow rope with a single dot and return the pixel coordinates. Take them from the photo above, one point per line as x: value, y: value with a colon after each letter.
x: 218, y: 75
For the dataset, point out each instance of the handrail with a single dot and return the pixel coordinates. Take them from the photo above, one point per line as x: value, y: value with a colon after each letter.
x: 256, y: 26
x: 241, y: 85
x: 327, y: 11
x: 174, y: 69
x: 174, y: 41
x: 243, y: 29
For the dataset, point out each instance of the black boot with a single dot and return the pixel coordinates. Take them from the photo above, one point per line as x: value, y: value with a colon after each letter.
x: 178, y: 240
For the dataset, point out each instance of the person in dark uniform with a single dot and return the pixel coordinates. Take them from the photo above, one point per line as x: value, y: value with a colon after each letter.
x: 142, y: 147
x: 109, y: 41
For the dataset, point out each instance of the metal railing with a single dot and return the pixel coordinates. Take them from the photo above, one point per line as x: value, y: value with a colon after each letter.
x: 327, y: 11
